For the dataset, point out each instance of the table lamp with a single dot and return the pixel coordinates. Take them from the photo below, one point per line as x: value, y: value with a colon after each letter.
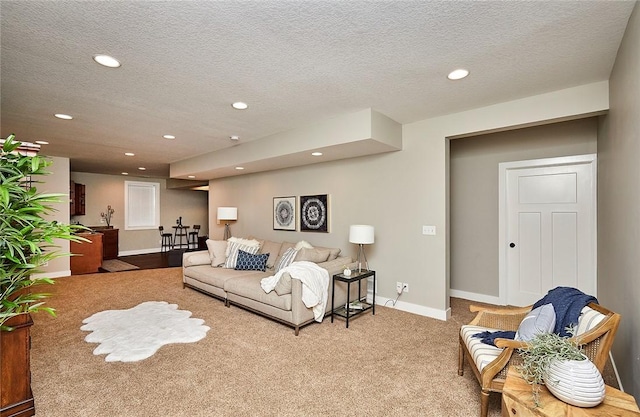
x: 361, y: 234
x: 227, y: 214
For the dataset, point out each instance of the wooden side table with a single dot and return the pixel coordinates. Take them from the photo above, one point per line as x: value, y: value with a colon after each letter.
x: 517, y: 401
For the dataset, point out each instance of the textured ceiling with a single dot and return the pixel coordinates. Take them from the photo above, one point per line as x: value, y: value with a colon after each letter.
x: 294, y: 62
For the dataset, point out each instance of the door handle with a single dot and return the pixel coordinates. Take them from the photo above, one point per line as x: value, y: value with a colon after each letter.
x: 512, y: 245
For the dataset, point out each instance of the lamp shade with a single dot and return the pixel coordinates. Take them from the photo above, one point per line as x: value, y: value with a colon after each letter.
x: 361, y: 234
x: 227, y: 213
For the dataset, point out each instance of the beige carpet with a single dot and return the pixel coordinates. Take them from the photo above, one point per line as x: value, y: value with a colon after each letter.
x: 390, y: 364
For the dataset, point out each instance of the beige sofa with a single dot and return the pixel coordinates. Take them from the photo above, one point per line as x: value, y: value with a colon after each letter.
x: 242, y: 288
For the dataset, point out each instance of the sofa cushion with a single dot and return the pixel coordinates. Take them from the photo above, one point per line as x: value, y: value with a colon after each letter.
x: 249, y: 262
x: 539, y: 320
x: 235, y: 245
x: 286, y: 259
x: 482, y: 353
x: 218, y: 276
x: 313, y: 255
x: 248, y: 286
x: 217, y: 251
x: 333, y: 252
x: 273, y: 249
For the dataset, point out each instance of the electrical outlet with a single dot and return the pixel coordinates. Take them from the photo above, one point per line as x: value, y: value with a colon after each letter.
x: 405, y: 287
x: 399, y: 287
x: 429, y: 230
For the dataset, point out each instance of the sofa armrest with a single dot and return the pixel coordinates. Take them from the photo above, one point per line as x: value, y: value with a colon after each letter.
x: 299, y: 312
x: 196, y: 258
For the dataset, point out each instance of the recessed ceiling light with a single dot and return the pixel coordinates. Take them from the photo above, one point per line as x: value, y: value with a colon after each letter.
x: 239, y: 105
x: 129, y: 154
x: 125, y: 173
x: 42, y: 142
x: 168, y: 136
x: 239, y: 168
x: 234, y: 137
x: 142, y: 168
x: 458, y: 74
x: 316, y: 153
x: 63, y: 116
x: 191, y: 176
x: 107, y: 61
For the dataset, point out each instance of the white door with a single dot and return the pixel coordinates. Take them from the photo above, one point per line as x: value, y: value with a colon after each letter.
x: 547, y: 227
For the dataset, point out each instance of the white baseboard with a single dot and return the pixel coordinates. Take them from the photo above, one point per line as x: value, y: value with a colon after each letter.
x: 434, y: 313
x: 53, y: 274
x: 472, y: 296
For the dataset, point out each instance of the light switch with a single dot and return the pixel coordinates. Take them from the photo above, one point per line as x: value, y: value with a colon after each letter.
x: 429, y: 230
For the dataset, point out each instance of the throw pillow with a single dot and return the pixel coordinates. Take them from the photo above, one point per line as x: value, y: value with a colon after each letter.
x: 217, y: 251
x: 333, y: 252
x: 247, y: 242
x: 284, y: 285
x: 249, y: 262
x: 232, y: 250
x: 272, y: 248
x: 286, y: 259
x: 539, y: 320
x: 303, y: 244
x: 313, y: 255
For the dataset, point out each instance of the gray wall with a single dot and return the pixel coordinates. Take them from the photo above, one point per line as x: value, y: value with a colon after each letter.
x: 619, y: 205
x: 104, y: 190
x: 474, y: 192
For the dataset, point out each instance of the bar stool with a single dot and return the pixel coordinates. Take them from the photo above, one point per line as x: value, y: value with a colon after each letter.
x: 167, y: 240
x: 193, y: 237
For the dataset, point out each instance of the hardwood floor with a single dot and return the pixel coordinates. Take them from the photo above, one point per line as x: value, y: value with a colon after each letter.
x: 148, y: 261
x: 159, y: 259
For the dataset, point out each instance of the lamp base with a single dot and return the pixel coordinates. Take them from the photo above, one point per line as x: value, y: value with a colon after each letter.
x: 227, y: 232
x: 362, y: 255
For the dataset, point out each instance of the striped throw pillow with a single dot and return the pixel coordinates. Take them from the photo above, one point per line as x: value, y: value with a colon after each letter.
x: 287, y: 257
x: 233, y: 248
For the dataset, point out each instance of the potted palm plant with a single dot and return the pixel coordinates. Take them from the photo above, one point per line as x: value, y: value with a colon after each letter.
x: 559, y: 363
x: 27, y: 243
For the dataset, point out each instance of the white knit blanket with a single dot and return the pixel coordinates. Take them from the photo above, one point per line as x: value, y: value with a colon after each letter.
x: 315, y: 282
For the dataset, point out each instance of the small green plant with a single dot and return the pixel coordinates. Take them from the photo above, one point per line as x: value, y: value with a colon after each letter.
x: 542, y: 350
x: 27, y: 237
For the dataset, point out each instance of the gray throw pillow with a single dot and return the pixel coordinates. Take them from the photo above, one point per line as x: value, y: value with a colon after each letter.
x: 539, y: 320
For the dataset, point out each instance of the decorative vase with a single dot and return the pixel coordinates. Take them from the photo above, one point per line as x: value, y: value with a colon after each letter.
x: 346, y: 272
x: 576, y: 382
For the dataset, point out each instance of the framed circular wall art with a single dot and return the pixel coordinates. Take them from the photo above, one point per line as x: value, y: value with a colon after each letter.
x: 284, y: 213
x: 314, y: 213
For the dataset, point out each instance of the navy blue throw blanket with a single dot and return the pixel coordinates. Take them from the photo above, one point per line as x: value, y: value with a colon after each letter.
x: 489, y: 338
x: 567, y: 303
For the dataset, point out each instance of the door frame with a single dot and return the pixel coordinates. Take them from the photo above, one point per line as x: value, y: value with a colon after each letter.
x: 503, y: 167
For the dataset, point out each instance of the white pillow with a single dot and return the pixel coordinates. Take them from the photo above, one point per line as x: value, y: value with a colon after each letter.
x: 539, y: 320
x: 217, y: 251
x: 232, y: 250
x: 303, y: 244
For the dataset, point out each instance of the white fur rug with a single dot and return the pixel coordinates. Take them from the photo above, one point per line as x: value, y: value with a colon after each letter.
x: 137, y: 333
